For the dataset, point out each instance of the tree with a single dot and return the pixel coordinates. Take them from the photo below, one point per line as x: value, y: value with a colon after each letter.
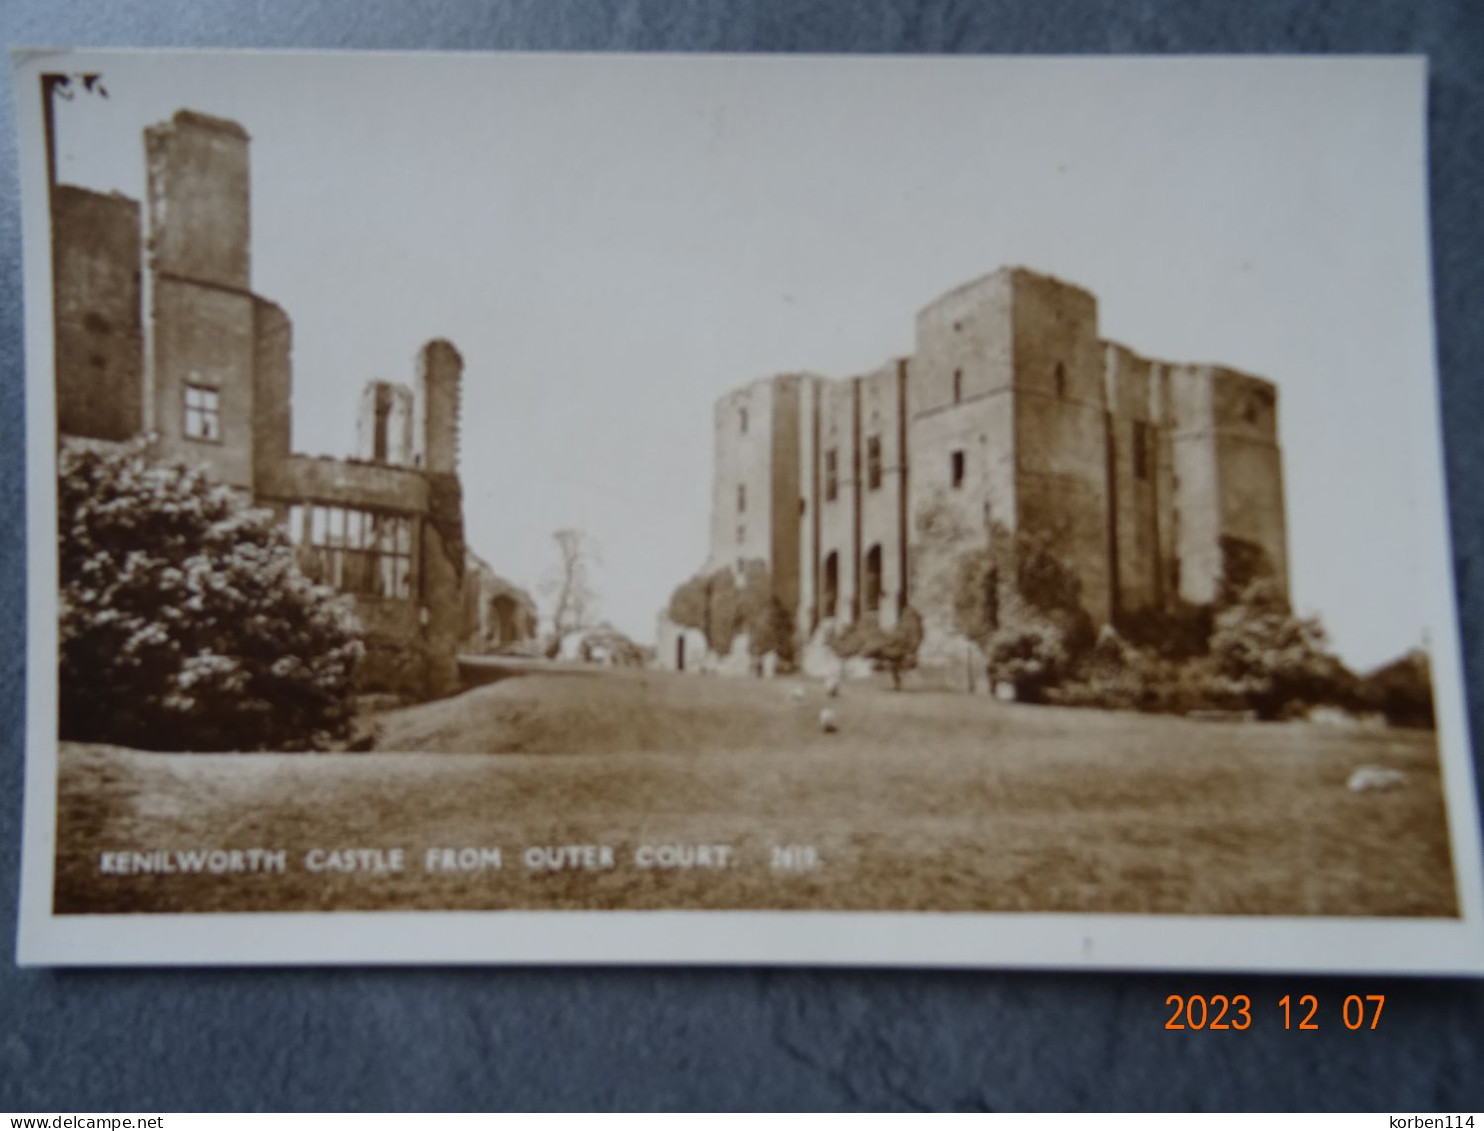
x: 689, y: 604
x: 1272, y: 658
x: 894, y: 651
x: 575, y: 603
x: 1021, y: 604
x: 723, y: 611
x: 768, y: 624
x: 898, y: 652
x: 717, y: 605
x: 1401, y: 690
x: 1028, y: 652
x: 862, y: 637
x: 186, y: 623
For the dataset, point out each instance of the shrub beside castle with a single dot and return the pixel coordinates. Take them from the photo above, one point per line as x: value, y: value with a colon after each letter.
x: 1018, y: 601
x: 1247, y: 651
x: 185, y: 621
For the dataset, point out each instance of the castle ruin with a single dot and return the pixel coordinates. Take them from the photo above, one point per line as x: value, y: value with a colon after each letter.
x: 862, y: 494
x: 159, y: 333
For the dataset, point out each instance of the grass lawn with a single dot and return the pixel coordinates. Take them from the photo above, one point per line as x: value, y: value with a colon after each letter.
x: 923, y: 800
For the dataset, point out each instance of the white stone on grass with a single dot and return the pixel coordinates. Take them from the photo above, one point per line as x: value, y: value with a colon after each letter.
x: 1375, y: 777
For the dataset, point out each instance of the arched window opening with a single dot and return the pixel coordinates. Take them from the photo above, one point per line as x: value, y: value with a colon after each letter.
x: 831, y: 584
x: 873, y: 578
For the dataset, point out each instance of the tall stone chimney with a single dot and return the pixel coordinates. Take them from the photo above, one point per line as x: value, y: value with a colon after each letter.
x: 198, y: 200
x: 440, y: 372
x: 384, y: 424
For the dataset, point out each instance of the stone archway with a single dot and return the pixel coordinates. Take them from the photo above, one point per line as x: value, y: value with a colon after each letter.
x: 504, y: 622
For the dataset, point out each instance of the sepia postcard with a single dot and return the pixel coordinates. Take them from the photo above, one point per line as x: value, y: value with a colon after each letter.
x: 705, y: 509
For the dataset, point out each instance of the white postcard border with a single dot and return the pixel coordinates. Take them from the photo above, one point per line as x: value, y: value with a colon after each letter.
x: 957, y: 939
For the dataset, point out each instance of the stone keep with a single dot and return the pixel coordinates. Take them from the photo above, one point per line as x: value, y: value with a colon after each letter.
x: 862, y: 494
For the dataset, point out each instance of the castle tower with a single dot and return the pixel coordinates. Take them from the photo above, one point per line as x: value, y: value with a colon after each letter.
x: 1007, y: 425
x: 437, y: 407
x: 96, y: 249
x: 384, y: 424
x: 1141, y: 482
x: 199, y: 200
x: 210, y: 342
x: 756, y: 491
x: 1228, y: 473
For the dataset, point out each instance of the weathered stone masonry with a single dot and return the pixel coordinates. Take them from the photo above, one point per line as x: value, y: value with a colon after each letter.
x: 165, y: 337
x: 861, y: 494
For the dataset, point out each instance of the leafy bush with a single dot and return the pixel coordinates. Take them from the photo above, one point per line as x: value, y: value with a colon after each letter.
x: 769, y: 626
x: 689, y: 602
x: 1027, y: 651
x: 720, y: 608
x: 1021, y: 604
x: 1275, y: 661
x: 723, y: 611
x: 1174, y: 634
x: 1400, y: 690
x: 1117, y: 675
x: 186, y: 623
x: 894, y: 651
x: 898, y: 652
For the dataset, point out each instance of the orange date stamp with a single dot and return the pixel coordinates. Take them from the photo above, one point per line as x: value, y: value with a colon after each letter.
x: 1211, y: 1012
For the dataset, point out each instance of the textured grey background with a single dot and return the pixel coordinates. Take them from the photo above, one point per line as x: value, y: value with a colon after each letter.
x: 364, y: 1039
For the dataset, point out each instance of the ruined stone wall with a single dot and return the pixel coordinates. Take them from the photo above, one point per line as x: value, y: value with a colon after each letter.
x: 273, y: 385
x: 324, y: 479
x: 441, y: 579
x: 1166, y: 512
x: 785, y: 474
x: 1234, y: 416
x: 497, y: 613
x: 1198, y: 521
x: 807, y: 455
x: 97, y: 320
x: 1011, y: 411
x: 1230, y: 474
x: 207, y: 368
x: 839, y: 528
x: 384, y: 424
x: 677, y: 648
x: 960, y: 399
x: 198, y: 200
x: 205, y: 337
x: 882, y: 506
x: 1134, y: 477
x: 437, y: 407
x: 742, y: 490
x: 396, y: 660
x: 203, y: 329
x: 1061, y: 430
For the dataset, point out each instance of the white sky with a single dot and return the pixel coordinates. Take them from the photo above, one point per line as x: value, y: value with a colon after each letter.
x: 612, y: 242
